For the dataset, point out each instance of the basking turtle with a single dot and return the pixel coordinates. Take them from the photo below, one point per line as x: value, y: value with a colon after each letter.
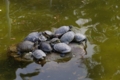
x: 63, y: 29
x: 25, y: 46
x: 33, y: 37
x: 38, y: 55
x: 80, y: 38
x: 61, y: 48
x: 54, y: 41
x: 45, y: 46
x: 42, y: 37
x: 67, y: 37
x: 48, y: 34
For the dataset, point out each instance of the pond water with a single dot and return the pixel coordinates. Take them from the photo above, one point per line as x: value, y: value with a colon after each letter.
x: 99, y: 20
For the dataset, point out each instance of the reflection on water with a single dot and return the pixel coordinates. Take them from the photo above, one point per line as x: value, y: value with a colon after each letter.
x: 99, y: 20
x: 30, y: 70
x: 53, y: 70
x: 8, y: 18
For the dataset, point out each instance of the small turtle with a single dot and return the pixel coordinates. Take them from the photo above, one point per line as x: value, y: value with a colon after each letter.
x: 80, y: 38
x: 25, y: 46
x: 33, y: 37
x: 38, y: 55
x: 67, y: 37
x: 62, y: 48
x: 54, y: 41
x: 42, y: 37
x: 45, y: 46
x: 63, y: 29
x: 48, y: 34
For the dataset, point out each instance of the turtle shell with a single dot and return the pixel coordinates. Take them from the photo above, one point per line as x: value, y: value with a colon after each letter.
x: 79, y: 37
x: 25, y: 46
x: 60, y: 31
x: 38, y: 54
x: 33, y: 37
x: 45, y: 46
x: 62, y: 48
x: 67, y: 37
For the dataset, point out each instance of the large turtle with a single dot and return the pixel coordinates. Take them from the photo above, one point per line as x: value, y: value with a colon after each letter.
x: 67, y: 37
x: 38, y: 55
x: 63, y: 29
x: 25, y: 46
x: 45, y: 46
x: 61, y: 48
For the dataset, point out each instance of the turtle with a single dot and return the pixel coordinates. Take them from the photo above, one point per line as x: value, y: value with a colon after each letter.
x: 42, y: 37
x: 59, y: 47
x: 62, y: 48
x: 67, y: 37
x: 63, y: 29
x: 54, y: 41
x: 38, y: 55
x: 45, y: 46
x: 48, y: 34
x: 25, y: 46
x: 33, y: 37
x: 80, y: 38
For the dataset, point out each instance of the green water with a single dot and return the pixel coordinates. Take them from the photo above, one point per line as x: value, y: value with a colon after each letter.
x: 97, y: 19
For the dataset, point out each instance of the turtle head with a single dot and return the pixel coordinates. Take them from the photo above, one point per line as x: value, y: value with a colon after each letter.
x: 54, y: 36
x: 70, y: 27
x: 45, y: 34
x: 43, y: 58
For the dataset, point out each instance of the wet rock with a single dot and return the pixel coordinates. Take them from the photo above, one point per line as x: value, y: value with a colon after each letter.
x: 77, y: 51
x: 12, y: 52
